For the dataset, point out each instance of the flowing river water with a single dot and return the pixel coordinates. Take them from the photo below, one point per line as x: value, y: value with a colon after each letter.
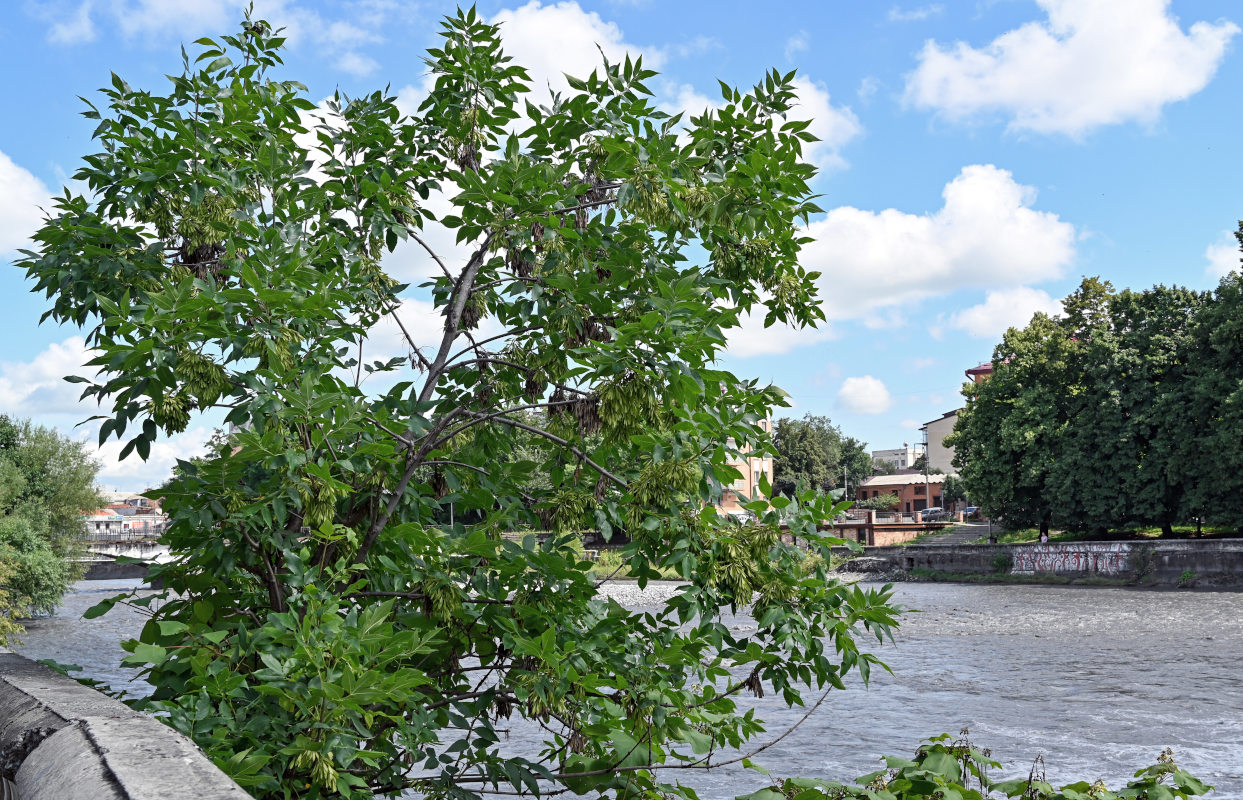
x: 1097, y: 680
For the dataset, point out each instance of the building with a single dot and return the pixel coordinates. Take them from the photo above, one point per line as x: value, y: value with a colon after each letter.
x: 981, y: 372
x: 752, y: 469
x: 939, y: 455
x: 127, y: 516
x: 914, y: 490
x: 902, y: 458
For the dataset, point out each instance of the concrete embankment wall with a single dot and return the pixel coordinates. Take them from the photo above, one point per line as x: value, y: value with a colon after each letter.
x: 60, y: 740
x: 1183, y: 562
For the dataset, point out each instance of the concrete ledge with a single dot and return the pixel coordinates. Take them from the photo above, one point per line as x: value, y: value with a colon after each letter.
x: 60, y: 740
x: 1211, y: 563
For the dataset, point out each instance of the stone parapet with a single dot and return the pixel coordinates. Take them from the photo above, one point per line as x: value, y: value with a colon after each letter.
x: 60, y: 740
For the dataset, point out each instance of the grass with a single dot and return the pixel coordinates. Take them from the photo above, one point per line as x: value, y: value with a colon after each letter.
x: 931, y: 536
x: 1024, y: 535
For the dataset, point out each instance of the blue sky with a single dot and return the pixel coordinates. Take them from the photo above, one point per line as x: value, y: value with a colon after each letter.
x: 978, y: 159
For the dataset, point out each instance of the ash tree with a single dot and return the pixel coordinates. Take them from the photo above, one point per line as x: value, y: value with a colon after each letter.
x: 321, y: 634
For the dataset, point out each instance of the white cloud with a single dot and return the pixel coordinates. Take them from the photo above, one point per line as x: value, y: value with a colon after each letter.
x: 38, y: 387
x: 558, y: 38
x: 1004, y: 309
x: 1222, y: 255
x: 1090, y: 63
x: 896, y: 14
x: 751, y: 338
x: 864, y: 395
x: 874, y: 265
x: 834, y: 126
x: 797, y: 44
x: 425, y: 324
x: 910, y: 424
x: 21, y: 194
x: 73, y: 28
x: 356, y: 64
x: 134, y: 474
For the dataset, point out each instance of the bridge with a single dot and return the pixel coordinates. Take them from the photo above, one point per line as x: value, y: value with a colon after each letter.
x: 103, y: 552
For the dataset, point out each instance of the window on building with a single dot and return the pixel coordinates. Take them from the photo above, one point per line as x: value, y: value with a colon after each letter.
x: 920, y: 489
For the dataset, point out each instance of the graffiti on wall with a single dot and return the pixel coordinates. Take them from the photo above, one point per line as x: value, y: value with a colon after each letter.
x: 1104, y: 558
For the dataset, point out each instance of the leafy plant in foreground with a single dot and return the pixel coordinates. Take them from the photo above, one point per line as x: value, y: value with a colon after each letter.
x: 325, y: 630
x: 954, y: 769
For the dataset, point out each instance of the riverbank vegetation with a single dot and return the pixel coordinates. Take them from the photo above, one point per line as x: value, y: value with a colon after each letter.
x: 1123, y: 412
x: 342, y: 617
x: 945, y: 767
x: 46, y: 484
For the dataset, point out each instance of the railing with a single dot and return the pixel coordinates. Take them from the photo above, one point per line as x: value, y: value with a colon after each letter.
x: 124, y: 537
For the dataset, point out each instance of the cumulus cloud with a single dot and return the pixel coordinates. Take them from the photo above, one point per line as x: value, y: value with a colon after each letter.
x: 751, y: 338
x: 558, y: 38
x: 134, y: 474
x: 38, y: 387
x: 834, y: 126
x: 1004, y: 309
x: 1222, y: 256
x: 425, y: 324
x: 21, y: 195
x: 986, y: 235
x: 1089, y: 63
x: 864, y: 395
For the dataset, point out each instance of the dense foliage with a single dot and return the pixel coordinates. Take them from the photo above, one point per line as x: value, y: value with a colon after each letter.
x: 881, y: 502
x: 955, y: 768
x: 325, y: 630
x: 1122, y: 411
x: 47, y: 482
x: 812, y: 453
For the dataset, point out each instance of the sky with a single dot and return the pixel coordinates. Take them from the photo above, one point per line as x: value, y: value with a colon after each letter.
x: 977, y: 160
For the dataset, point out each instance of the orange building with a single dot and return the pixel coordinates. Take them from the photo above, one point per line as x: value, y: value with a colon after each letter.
x: 915, y: 490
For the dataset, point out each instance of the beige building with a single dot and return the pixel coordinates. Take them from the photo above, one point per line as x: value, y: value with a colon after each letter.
x: 752, y: 468
x: 939, y: 456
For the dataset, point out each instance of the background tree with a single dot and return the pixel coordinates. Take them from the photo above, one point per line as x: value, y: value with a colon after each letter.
x: 47, y: 482
x: 1099, y: 416
x: 882, y: 467
x: 881, y: 502
x: 809, y: 452
x: 857, y: 461
x: 1008, y: 437
x: 324, y: 631
x: 953, y: 490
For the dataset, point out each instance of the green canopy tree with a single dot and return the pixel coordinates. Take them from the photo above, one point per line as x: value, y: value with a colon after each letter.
x: 809, y: 454
x: 1214, y: 406
x: 857, y: 460
x: 325, y: 632
x: 47, y: 481
x: 1008, y: 437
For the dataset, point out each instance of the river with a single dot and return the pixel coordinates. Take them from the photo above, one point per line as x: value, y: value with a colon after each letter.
x: 1097, y: 680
